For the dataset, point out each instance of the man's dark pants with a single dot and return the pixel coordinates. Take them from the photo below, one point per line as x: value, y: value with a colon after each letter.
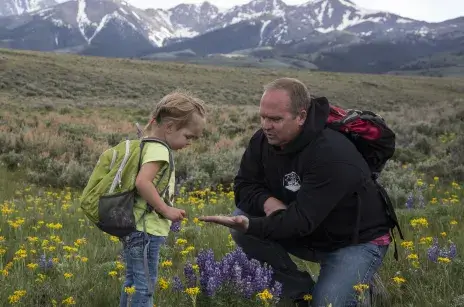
x: 339, y: 270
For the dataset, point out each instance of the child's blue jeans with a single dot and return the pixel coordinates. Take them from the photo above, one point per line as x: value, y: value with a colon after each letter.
x: 137, y: 268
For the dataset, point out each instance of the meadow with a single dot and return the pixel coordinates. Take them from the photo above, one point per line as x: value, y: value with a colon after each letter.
x: 59, y: 112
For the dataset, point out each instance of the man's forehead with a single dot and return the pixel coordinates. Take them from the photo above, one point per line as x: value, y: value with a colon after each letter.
x: 276, y: 95
x: 275, y: 100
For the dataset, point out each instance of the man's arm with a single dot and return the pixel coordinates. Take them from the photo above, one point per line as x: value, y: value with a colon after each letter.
x: 322, y: 188
x: 249, y: 186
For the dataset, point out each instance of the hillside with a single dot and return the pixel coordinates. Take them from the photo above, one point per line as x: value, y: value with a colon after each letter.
x: 436, y: 65
x: 60, y: 111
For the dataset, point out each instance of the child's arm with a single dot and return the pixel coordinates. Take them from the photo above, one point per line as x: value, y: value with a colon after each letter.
x: 148, y: 191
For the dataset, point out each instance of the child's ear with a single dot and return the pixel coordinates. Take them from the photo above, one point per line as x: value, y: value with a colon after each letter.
x: 170, y: 127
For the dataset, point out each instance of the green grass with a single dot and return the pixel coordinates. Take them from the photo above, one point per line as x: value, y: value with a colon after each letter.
x: 59, y: 112
x: 29, y: 230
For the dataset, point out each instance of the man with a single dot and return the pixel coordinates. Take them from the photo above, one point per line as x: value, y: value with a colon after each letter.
x: 304, y: 189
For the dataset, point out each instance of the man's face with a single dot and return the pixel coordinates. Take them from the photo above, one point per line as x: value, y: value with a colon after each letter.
x: 278, y: 122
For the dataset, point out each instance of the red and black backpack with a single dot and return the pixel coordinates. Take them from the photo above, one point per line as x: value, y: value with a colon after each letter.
x: 373, y: 139
x: 369, y: 133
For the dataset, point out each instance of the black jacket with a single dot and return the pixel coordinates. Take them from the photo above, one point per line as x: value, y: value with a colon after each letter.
x: 321, y: 177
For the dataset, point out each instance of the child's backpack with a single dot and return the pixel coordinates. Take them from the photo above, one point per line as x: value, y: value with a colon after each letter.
x: 109, y: 196
x: 374, y: 140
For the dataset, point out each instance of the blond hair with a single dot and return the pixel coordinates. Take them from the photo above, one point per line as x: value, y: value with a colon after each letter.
x: 179, y: 107
x: 300, y: 97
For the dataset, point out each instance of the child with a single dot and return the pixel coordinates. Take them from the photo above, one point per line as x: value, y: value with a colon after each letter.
x: 177, y: 120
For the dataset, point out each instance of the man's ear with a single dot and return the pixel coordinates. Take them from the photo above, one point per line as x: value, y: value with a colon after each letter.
x: 302, y: 117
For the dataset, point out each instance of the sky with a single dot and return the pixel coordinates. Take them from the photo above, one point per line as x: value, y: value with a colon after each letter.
x: 427, y: 10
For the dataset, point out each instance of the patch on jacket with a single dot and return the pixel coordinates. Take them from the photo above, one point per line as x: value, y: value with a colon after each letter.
x: 292, y: 182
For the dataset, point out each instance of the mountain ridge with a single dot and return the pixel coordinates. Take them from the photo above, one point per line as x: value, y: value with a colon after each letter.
x: 116, y: 28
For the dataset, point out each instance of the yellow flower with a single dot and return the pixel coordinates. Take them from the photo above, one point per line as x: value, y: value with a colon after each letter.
x: 307, y: 297
x: 32, y: 239
x: 167, y: 263
x: 192, y: 291
x: 453, y: 222
x: 129, y: 290
x: 265, y: 295
x: 68, y: 275
x: 181, y: 241
x: 412, y: 257
x: 40, y: 278
x: 16, y: 296
x: 443, y: 260
x: 399, y: 280
x: 54, y: 226
x: 33, y: 266
x: 415, y: 223
x: 80, y: 242
x: 69, y: 301
x: 425, y: 240
x: 443, y: 234
x: 113, y: 273
x: 408, y: 244
x: 163, y: 283
x: 360, y: 288
x: 119, y: 266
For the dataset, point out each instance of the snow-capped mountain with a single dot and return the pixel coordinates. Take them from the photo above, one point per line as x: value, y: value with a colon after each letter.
x: 18, y: 7
x: 116, y: 28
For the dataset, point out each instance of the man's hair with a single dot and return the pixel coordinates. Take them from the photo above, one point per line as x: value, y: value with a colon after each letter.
x: 300, y: 98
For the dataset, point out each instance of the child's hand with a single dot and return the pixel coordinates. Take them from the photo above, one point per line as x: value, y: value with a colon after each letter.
x: 174, y: 214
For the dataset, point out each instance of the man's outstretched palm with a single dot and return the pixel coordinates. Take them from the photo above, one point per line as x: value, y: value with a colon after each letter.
x: 239, y: 222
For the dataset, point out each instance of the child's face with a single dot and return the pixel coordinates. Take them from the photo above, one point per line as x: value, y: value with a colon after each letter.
x: 182, y: 137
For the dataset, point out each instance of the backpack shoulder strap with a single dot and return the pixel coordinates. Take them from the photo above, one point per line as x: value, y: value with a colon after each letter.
x: 171, y: 159
x: 391, y: 214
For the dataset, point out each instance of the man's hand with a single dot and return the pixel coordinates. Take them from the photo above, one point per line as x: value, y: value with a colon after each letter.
x: 273, y: 204
x: 239, y: 222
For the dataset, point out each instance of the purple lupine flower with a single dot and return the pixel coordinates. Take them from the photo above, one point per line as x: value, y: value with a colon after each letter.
x: 452, y: 251
x: 175, y: 226
x: 276, y: 290
x: 177, y: 284
x: 410, y: 201
x: 191, y: 278
x: 44, y: 263
x: 435, y: 251
x: 210, y: 272
x: 236, y: 272
x: 212, y: 285
x: 247, y: 289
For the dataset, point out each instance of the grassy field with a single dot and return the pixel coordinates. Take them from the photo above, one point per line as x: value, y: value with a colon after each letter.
x: 59, y: 112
